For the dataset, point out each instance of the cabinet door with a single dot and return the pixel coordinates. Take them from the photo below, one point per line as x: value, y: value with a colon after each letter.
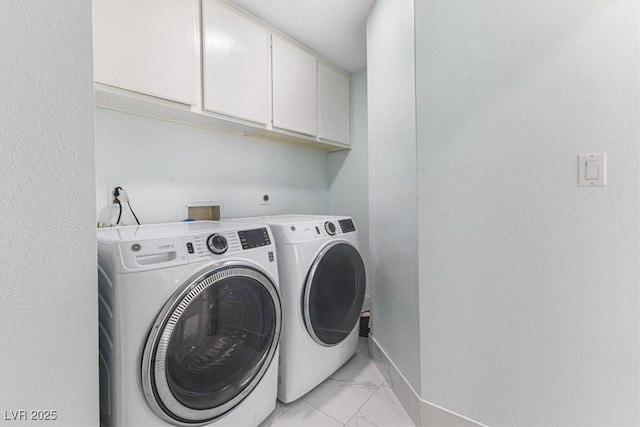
x: 149, y: 47
x: 334, y: 117
x: 294, y: 88
x: 236, y: 63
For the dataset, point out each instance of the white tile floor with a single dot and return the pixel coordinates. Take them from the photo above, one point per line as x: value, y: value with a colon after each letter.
x: 355, y: 395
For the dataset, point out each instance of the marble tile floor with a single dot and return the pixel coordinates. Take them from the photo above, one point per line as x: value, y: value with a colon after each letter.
x: 354, y: 396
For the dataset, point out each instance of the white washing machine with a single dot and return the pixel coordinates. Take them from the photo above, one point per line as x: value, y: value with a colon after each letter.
x: 190, y: 321
x: 322, y: 282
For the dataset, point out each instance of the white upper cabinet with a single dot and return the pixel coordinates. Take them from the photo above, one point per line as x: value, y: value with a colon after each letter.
x: 334, y: 106
x: 150, y: 47
x: 294, y: 89
x: 208, y: 63
x: 236, y: 63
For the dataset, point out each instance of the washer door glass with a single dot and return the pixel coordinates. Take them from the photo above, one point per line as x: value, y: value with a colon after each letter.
x: 334, y: 293
x: 212, y: 344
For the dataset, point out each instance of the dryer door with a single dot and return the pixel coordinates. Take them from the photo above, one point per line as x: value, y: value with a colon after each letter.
x: 334, y: 293
x: 211, y: 344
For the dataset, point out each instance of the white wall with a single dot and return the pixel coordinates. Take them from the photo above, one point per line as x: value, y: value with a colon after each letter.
x: 529, y: 298
x: 165, y: 165
x: 392, y: 184
x: 48, y: 295
x: 348, y: 171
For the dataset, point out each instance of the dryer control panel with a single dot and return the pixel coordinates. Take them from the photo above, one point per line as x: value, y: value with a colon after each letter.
x: 303, y: 232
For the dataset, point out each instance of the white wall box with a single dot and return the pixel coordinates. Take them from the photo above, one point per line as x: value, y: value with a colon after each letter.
x: 334, y: 107
x: 294, y: 87
x: 148, y: 47
x: 236, y: 63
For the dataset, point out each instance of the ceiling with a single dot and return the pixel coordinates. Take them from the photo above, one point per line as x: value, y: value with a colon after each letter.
x: 335, y: 29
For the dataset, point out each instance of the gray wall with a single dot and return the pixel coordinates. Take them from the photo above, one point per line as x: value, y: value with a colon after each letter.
x: 529, y: 300
x: 48, y: 292
x: 393, y: 217
x: 348, y: 170
x: 164, y: 165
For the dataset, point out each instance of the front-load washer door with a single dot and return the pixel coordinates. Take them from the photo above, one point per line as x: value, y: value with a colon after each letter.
x: 211, y: 344
x: 334, y: 293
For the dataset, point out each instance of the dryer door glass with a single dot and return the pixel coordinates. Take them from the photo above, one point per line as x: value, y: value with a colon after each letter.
x: 334, y: 293
x: 213, y: 344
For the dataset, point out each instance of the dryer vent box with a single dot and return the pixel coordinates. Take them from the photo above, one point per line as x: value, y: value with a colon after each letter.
x: 204, y: 213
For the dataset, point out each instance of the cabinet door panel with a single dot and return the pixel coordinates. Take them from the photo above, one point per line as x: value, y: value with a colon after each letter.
x: 334, y: 117
x: 149, y: 47
x: 236, y: 63
x: 294, y: 88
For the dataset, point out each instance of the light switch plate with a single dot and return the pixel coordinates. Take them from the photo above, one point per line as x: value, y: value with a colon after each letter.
x: 592, y: 170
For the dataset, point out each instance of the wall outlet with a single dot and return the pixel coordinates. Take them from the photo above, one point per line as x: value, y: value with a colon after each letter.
x: 111, y: 200
x: 266, y: 200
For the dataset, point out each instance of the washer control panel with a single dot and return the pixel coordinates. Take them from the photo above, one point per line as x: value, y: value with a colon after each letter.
x: 330, y: 228
x: 254, y: 238
x: 212, y: 244
x: 217, y: 244
x: 347, y: 226
x: 159, y: 246
x: 225, y: 243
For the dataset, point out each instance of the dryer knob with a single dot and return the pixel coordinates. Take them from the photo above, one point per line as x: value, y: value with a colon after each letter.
x: 217, y: 244
x: 331, y: 229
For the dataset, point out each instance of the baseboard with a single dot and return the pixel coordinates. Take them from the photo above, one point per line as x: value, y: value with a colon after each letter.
x: 422, y: 412
x: 366, y: 306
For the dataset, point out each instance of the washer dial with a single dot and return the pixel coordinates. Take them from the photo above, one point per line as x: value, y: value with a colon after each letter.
x: 217, y: 244
x: 331, y: 229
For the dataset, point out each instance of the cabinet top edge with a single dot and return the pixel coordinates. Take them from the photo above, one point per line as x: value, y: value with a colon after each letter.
x: 277, y: 32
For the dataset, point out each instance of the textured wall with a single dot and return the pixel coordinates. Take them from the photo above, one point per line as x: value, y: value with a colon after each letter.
x: 48, y: 296
x: 348, y: 170
x: 165, y: 165
x: 392, y: 184
x: 528, y: 283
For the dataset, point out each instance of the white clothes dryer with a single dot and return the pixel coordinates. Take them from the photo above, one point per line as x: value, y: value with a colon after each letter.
x: 322, y: 282
x: 190, y: 321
